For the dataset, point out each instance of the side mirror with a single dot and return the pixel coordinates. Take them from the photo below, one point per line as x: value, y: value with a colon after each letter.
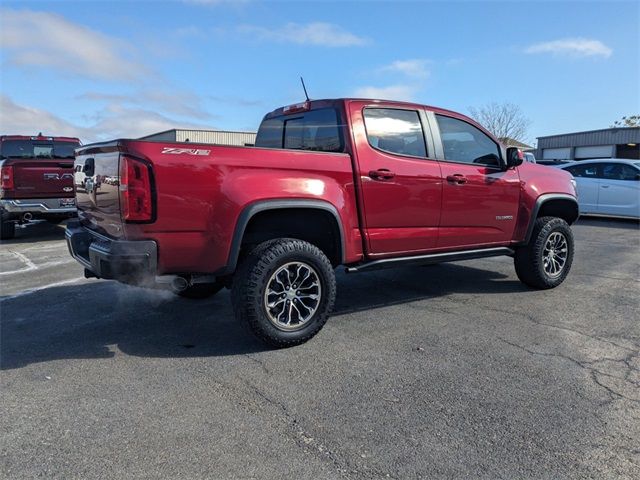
x: 515, y: 157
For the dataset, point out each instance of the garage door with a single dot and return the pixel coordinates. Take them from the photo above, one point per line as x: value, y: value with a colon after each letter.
x: 598, y: 151
x: 556, y: 153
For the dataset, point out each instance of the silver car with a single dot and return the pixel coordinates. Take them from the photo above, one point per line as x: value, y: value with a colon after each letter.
x: 607, y: 186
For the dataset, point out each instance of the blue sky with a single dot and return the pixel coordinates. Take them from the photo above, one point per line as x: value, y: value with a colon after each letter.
x: 105, y: 69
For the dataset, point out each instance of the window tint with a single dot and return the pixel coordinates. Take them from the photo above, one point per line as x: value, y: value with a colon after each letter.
x: 318, y: 130
x: 586, y: 171
x: 270, y: 133
x: 395, y: 131
x: 462, y: 142
x: 619, y: 171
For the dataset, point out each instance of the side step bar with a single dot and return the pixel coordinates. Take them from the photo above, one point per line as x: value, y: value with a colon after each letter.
x: 430, y: 259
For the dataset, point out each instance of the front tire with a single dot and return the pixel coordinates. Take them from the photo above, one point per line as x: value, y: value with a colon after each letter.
x: 545, y: 262
x: 284, y: 291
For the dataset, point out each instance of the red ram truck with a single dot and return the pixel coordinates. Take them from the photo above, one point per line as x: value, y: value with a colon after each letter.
x: 363, y: 184
x: 36, y: 176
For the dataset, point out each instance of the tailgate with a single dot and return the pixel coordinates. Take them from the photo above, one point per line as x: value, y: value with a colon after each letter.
x: 42, y: 178
x: 97, y: 182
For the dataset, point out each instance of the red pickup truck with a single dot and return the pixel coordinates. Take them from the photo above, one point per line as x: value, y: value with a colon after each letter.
x: 363, y: 184
x: 36, y: 176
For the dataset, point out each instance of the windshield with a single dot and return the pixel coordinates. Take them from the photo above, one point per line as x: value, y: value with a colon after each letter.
x: 37, y: 149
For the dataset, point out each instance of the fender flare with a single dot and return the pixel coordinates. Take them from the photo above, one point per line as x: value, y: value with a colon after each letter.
x: 540, y: 201
x: 251, y: 210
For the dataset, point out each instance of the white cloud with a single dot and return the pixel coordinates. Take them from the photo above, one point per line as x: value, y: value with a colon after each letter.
x: 37, y: 39
x: 113, y: 121
x: 391, y: 92
x: 20, y: 120
x: 415, y: 68
x: 575, y: 47
x: 316, y: 33
x: 177, y: 102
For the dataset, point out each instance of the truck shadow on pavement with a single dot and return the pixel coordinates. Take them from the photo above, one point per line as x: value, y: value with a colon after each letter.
x: 37, y: 233
x: 102, y: 319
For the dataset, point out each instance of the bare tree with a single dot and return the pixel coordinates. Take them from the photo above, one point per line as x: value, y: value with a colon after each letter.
x: 630, y: 121
x: 504, y: 120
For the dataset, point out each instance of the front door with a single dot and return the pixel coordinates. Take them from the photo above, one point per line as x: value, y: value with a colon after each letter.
x: 587, y: 184
x: 400, y: 180
x: 479, y: 198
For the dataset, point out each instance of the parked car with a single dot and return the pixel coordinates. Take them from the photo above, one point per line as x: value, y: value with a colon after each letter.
x: 366, y: 184
x: 529, y: 157
x: 36, y: 180
x: 554, y: 163
x: 607, y: 186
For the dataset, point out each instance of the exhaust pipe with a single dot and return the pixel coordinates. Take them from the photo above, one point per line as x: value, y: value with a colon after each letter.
x: 27, y: 217
x: 179, y: 284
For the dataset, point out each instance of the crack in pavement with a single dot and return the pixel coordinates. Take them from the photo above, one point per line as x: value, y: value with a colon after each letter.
x: 593, y: 372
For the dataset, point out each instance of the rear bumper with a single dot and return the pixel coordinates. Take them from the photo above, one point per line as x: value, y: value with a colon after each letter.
x: 37, y: 206
x: 126, y: 261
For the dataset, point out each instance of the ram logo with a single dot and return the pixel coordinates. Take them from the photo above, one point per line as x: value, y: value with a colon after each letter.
x: 185, y: 151
x: 58, y: 176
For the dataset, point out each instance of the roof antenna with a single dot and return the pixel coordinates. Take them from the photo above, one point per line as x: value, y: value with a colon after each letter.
x: 304, y: 88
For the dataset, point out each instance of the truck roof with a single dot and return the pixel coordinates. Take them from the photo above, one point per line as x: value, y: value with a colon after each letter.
x: 329, y: 102
x: 39, y: 137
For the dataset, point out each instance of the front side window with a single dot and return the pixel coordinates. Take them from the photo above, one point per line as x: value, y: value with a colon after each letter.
x: 462, y: 142
x: 589, y: 170
x: 317, y: 130
x: 395, y: 131
x: 619, y: 171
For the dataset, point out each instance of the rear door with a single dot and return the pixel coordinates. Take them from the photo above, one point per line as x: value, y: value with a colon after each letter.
x: 479, y: 198
x: 619, y: 190
x: 401, y: 184
x: 97, y: 182
x: 588, y: 185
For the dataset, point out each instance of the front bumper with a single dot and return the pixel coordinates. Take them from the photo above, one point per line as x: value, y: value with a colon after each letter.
x: 126, y: 261
x: 38, y: 206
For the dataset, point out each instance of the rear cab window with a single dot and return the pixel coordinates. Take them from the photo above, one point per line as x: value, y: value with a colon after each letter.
x: 317, y: 130
x: 37, y: 149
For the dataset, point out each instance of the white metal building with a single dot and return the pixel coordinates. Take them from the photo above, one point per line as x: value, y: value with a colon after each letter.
x: 217, y: 137
x: 621, y: 142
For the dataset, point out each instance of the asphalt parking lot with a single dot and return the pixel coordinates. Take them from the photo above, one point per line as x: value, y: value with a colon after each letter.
x: 446, y: 371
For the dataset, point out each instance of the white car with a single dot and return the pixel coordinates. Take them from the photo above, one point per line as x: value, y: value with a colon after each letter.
x: 607, y: 186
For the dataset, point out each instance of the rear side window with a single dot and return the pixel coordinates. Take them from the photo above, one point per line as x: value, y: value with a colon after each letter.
x: 584, y: 171
x: 619, y: 171
x: 395, y: 131
x: 317, y: 130
x: 462, y: 142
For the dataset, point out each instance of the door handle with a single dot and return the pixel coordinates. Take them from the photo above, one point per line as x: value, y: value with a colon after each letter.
x: 604, y: 186
x: 382, y: 174
x: 457, y: 178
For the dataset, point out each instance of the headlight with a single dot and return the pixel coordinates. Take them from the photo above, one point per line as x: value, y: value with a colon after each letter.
x: 575, y: 186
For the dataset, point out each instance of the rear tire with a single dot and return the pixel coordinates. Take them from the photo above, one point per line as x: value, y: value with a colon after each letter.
x: 7, y: 230
x: 284, y: 291
x: 545, y: 262
x: 199, y: 291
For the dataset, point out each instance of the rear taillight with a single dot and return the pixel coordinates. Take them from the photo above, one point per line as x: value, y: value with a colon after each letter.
x: 6, y: 174
x: 136, y: 202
